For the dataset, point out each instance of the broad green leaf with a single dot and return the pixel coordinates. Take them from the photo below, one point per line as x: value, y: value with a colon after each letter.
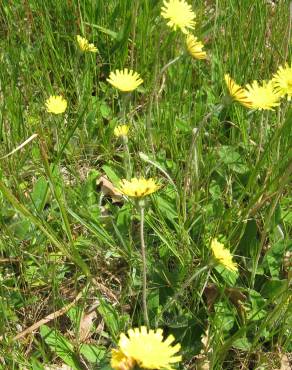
x: 228, y: 276
x: 92, y: 353
x: 232, y: 159
x: 274, y: 288
x: 242, y: 343
x: 60, y: 346
x: 224, y: 317
x: 111, y: 174
x: 39, y: 193
x: 274, y: 257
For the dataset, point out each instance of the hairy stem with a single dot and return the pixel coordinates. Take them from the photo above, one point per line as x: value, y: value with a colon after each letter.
x: 144, y: 267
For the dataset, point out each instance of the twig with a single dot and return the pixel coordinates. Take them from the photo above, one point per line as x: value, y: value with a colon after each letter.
x: 20, y: 146
x: 46, y: 319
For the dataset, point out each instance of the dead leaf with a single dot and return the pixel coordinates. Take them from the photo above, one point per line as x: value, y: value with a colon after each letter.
x: 234, y: 294
x: 211, y: 293
x: 86, y: 324
x: 108, y: 189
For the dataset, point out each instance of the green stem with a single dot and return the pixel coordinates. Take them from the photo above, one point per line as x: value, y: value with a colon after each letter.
x: 144, y: 266
x: 151, y: 100
x: 261, y: 138
x: 127, y: 158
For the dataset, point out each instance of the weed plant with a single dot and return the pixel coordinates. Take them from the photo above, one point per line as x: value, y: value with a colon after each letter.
x: 72, y: 276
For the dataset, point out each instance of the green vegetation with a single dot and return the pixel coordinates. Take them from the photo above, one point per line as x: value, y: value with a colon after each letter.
x: 70, y: 245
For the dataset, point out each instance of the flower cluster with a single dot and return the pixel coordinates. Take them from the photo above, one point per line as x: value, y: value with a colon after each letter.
x: 144, y: 348
x: 265, y: 95
x: 181, y: 16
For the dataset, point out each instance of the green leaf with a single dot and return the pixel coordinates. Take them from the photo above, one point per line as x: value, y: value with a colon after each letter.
x: 39, y: 193
x: 111, y: 174
x: 257, y: 302
x: 92, y: 353
x: 104, y: 30
x: 114, y: 321
x: 232, y: 159
x: 228, y: 276
x: 274, y: 288
x: 60, y: 346
x: 224, y: 317
x: 242, y: 343
x: 105, y: 110
x: 274, y: 257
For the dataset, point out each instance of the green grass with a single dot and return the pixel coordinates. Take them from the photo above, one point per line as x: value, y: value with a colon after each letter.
x: 63, y: 236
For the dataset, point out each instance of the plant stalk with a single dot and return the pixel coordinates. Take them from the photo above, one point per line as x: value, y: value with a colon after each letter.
x: 144, y: 266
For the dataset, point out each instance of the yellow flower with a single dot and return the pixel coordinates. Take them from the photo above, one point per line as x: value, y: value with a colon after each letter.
x: 147, y: 349
x: 262, y: 97
x: 56, y: 104
x: 121, y: 130
x: 84, y: 44
x: 138, y: 187
x: 179, y: 13
x: 283, y: 81
x: 223, y: 255
x: 236, y: 92
x: 195, y: 47
x: 125, y: 80
x: 119, y: 361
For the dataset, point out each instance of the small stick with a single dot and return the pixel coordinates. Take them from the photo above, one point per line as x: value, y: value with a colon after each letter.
x: 20, y: 146
x: 46, y: 319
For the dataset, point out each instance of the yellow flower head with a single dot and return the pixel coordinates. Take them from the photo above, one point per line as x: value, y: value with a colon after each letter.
x: 179, y: 13
x: 125, y: 80
x: 121, y: 130
x: 119, y: 361
x: 236, y: 92
x: 283, y: 81
x: 262, y: 97
x: 56, y: 104
x: 195, y: 47
x: 84, y: 44
x: 147, y: 349
x: 223, y: 255
x: 138, y: 188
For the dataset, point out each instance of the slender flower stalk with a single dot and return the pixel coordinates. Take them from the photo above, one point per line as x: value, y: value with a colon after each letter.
x: 261, y: 135
x: 127, y: 158
x: 121, y: 131
x: 139, y: 188
x: 155, y: 92
x: 144, y: 264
